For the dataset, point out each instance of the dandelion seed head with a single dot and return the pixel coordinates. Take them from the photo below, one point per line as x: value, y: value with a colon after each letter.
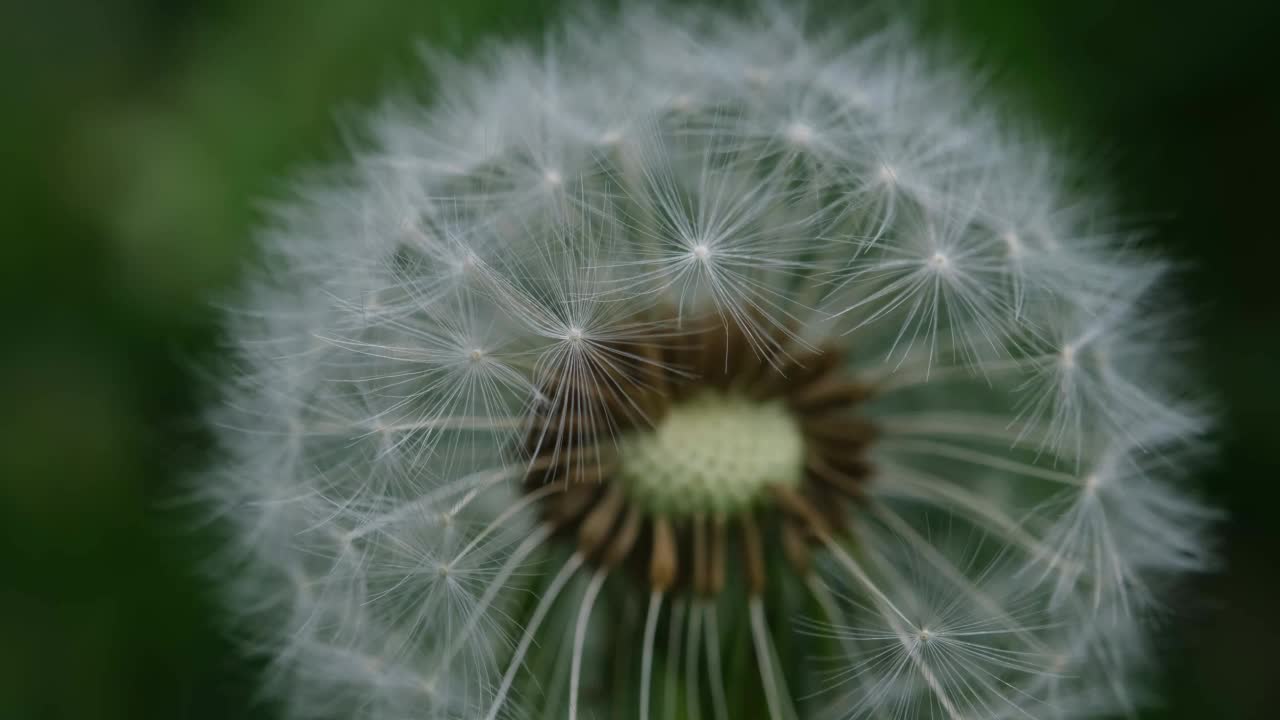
x: 586, y: 370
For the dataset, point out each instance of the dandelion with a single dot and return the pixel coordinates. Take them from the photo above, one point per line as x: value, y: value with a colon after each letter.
x: 696, y: 366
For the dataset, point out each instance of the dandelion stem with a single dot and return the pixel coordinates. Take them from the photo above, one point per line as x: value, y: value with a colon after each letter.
x: 691, y: 664
x: 535, y: 621
x: 580, y: 636
x: 827, y: 602
x: 719, y: 703
x: 474, y: 482
x: 856, y: 570
x: 950, y: 452
x: 516, y: 507
x: 952, y: 573
x: 678, y: 609
x: 453, y: 423
x: 499, y: 582
x: 764, y: 661
x: 976, y: 426
x: 646, y: 657
x: 898, y: 624
x: 958, y: 500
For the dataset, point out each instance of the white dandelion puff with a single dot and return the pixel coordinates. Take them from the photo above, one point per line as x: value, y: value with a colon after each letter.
x: 713, y: 367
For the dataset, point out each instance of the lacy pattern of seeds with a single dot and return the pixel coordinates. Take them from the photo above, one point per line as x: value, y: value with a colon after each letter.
x: 701, y: 366
x: 687, y: 541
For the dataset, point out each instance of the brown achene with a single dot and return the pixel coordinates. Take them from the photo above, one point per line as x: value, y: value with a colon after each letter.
x: 634, y: 384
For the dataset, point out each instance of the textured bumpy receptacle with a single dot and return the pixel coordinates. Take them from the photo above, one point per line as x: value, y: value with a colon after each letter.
x: 705, y: 366
x: 713, y: 454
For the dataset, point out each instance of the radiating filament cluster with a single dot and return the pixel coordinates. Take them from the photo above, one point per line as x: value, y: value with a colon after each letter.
x: 703, y: 365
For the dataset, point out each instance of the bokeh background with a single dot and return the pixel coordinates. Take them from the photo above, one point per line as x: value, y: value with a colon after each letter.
x: 138, y: 139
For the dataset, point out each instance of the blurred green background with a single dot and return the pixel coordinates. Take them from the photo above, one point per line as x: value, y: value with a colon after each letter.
x: 138, y: 137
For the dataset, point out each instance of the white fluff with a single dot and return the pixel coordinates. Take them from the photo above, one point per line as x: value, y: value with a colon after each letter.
x: 848, y: 188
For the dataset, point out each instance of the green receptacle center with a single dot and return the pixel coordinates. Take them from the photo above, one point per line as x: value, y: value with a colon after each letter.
x: 714, y: 453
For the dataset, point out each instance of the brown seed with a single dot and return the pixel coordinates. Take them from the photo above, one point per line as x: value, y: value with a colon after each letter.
x: 752, y: 555
x: 830, y: 392
x: 566, y: 506
x: 798, y: 507
x: 662, y: 562
x: 701, y: 572
x: 841, y: 430
x: 719, y: 543
x: 796, y: 548
x: 624, y: 539
x: 819, y: 469
x: 595, y: 527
